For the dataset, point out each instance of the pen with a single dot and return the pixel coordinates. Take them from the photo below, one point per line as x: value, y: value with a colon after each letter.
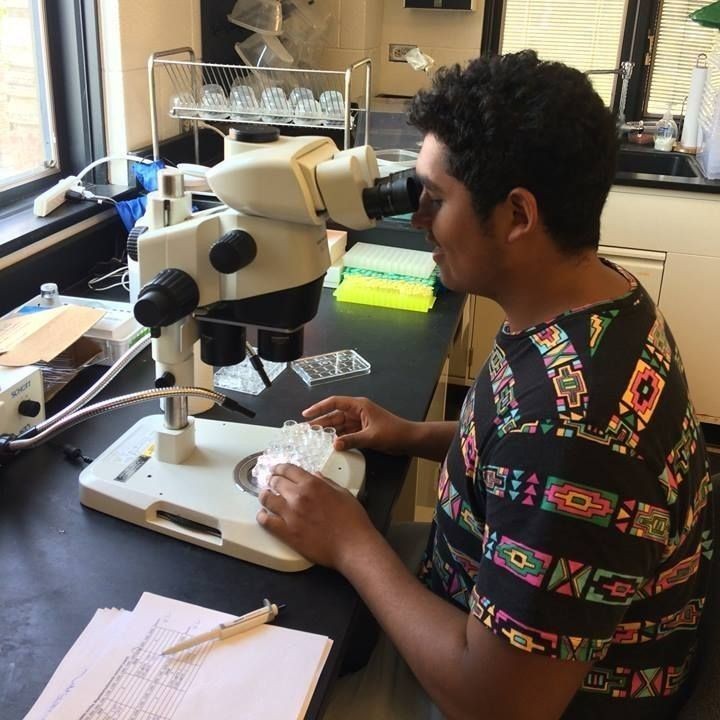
x: 266, y: 613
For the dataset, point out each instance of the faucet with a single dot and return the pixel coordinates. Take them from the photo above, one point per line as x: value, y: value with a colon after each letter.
x: 624, y: 72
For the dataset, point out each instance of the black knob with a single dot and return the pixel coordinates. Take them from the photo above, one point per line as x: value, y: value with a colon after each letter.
x: 256, y: 133
x: 170, y: 296
x: 132, y: 241
x: 166, y: 380
x: 233, y: 251
x: 29, y: 408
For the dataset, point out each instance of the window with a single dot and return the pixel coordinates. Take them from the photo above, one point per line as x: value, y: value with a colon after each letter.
x: 656, y: 35
x: 27, y: 150
x: 50, y: 93
x: 677, y: 44
x: 585, y: 35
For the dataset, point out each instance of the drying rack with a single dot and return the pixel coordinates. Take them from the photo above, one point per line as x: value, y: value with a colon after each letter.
x: 209, y: 92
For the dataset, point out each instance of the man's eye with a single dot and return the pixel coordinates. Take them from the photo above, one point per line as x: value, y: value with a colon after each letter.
x: 430, y: 200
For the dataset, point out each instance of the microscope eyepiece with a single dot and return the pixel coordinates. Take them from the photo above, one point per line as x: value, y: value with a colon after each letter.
x: 396, y: 194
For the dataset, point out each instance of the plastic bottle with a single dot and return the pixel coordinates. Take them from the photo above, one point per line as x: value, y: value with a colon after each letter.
x: 666, y: 132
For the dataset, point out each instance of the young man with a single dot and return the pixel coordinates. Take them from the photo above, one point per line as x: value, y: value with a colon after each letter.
x: 568, y: 562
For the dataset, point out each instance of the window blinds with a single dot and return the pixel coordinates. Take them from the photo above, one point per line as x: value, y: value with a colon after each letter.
x: 678, y: 43
x: 586, y: 34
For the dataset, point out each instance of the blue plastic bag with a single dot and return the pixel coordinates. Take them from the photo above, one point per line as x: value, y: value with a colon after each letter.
x: 146, y: 174
x: 130, y: 211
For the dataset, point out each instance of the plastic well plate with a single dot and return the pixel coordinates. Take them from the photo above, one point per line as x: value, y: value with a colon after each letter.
x: 338, y: 365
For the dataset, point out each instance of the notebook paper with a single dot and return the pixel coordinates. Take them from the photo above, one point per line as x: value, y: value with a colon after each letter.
x: 268, y: 672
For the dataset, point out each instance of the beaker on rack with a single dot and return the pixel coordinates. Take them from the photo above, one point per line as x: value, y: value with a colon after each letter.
x: 275, y: 105
x: 266, y: 51
x: 244, y: 103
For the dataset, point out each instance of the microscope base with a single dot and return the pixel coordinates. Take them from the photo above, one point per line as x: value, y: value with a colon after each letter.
x: 209, y: 499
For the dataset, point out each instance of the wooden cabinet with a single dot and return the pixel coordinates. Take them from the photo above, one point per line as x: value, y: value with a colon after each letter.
x: 419, y: 495
x: 474, y: 339
x: 682, y: 227
x: 689, y: 299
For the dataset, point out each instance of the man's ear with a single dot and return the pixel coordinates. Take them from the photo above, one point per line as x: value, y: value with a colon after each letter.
x: 523, y: 209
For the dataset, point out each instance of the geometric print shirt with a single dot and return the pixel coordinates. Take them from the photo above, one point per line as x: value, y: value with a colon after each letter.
x: 574, y: 511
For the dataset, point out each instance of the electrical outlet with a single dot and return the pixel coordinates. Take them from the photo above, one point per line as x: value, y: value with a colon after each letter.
x: 398, y: 52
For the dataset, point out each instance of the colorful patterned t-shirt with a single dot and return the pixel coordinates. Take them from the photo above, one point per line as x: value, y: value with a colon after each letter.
x: 573, y: 517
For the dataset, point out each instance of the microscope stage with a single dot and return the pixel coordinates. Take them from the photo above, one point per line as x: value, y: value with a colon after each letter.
x: 209, y: 499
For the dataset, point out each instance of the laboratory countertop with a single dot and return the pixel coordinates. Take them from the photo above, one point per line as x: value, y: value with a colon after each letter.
x: 59, y: 561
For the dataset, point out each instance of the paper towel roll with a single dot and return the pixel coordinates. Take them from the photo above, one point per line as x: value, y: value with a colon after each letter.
x: 689, y: 139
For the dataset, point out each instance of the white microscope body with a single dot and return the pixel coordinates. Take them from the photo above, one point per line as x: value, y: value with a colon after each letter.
x: 260, y: 262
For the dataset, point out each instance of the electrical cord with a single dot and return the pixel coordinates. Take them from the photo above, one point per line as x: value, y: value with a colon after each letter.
x: 109, y: 159
x: 207, y: 126
x: 11, y: 444
x: 122, y: 271
x: 81, y: 194
x: 71, y: 453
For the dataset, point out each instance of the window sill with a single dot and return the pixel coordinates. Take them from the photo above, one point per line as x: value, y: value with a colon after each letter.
x: 20, y: 228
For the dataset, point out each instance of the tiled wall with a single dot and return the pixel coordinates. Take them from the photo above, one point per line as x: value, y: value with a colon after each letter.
x: 447, y: 36
x: 367, y: 27
x: 355, y: 31
x: 133, y: 29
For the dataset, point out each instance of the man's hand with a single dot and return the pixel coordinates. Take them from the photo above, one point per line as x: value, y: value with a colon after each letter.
x: 315, y: 516
x: 361, y: 423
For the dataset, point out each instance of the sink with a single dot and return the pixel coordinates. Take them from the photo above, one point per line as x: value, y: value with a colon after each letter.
x: 656, y: 163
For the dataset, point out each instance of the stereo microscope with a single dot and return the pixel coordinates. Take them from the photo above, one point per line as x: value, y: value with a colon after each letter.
x: 203, y: 279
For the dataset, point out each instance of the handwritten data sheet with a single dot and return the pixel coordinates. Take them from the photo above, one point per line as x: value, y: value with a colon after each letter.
x: 116, y: 670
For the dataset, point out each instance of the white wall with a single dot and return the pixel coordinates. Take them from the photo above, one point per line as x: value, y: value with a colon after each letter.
x: 131, y: 30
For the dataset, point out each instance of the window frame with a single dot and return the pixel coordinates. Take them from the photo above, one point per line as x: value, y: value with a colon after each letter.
x: 76, y: 90
x: 641, y: 24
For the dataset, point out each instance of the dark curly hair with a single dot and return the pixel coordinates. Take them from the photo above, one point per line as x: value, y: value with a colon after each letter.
x: 515, y: 121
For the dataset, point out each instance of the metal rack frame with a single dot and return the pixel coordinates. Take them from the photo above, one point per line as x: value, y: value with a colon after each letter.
x: 204, y: 92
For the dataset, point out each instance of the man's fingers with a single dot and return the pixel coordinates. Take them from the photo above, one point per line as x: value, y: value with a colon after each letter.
x: 273, y: 500
x: 330, y: 419
x: 352, y: 440
x: 273, y: 523
x: 334, y: 402
x: 335, y: 419
x: 322, y: 407
x: 287, y: 472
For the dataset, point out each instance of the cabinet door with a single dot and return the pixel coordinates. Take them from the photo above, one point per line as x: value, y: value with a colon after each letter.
x: 460, y: 350
x: 645, y: 265
x: 419, y: 493
x: 487, y: 318
x: 689, y: 300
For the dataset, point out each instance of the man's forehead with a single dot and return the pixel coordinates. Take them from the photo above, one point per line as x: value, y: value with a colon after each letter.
x: 431, y: 166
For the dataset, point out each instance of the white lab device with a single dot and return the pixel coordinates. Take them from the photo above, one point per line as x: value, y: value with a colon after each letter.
x: 204, y: 278
x: 114, y: 332
x: 22, y: 399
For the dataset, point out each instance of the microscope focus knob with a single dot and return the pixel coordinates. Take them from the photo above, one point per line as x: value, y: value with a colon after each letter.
x: 166, y: 380
x: 170, y: 296
x: 132, y: 241
x: 233, y: 251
